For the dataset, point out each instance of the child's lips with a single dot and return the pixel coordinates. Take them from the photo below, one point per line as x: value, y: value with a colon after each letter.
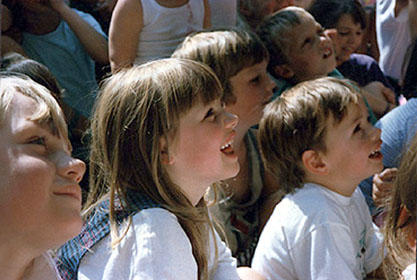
x: 70, y: 191
x: 227, y: 147
x: 327, y: 52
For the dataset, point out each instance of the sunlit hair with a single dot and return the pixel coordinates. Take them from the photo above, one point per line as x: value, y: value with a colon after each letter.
x: 298, y: 121
x: 227, y: 52
x: 404, y: 195
x: 328, y: 12
x: 275, y: 31
x: 137, y: 108
x: 48, y: 111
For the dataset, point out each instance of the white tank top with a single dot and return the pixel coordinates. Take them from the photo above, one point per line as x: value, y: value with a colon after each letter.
x: 164, y: 28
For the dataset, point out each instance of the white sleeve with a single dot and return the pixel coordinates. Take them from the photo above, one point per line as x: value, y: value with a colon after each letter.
x: 155, y: 247
x: 226, y: 264
x: 162, y: 249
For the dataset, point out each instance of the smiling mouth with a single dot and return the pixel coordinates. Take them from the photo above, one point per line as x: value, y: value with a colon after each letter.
x: 227, y: 148
x: 376, y: 155
x: 327, y: 53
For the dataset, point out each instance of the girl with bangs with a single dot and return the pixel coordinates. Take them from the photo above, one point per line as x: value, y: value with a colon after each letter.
x: 160, y: 137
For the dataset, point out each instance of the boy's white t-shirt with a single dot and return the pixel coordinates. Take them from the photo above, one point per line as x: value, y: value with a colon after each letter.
x: 155, y: 247
x: 315, y: 234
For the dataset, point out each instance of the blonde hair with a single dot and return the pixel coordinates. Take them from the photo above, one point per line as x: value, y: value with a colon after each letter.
x: 297, y: 121
x: 136, y: 108
x: 404, y: 195
x: 48, y: 110
x: 227, y: 52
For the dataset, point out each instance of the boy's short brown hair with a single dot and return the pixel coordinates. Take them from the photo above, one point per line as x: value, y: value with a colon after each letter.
x: 273, y: 32
x: 297, y: 121
x: 227, y: 52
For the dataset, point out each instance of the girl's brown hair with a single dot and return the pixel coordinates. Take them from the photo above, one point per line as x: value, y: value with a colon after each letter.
x: 136, y: 109
x: 401, y: 215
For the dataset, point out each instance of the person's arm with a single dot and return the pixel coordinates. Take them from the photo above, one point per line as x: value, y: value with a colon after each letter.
x: 94, y: 43
x: 412, y: 18
x: 10, y: 45
x: 207, y: 15
x: 379, y: 97
x: 125, y: 28
x: 247, y: 273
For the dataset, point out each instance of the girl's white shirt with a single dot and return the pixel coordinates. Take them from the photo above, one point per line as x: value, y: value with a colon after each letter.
x: 43, y: 268
x: 155, y: 247
x: 410, y: 272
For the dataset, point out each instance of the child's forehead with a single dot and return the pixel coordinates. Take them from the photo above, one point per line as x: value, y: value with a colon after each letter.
x: 307, y: 27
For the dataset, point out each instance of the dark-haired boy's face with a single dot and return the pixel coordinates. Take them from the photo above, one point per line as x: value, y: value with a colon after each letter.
x: 311, y: 53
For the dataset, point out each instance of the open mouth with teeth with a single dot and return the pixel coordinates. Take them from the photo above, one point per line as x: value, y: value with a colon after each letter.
x: 227, y: 148
x: 327, y: 53
x: 376, y: 155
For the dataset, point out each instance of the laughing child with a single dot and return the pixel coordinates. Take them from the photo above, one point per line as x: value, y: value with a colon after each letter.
x: 317, y: 140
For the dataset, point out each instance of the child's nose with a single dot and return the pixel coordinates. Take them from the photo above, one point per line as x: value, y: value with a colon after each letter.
x: 271, y: 84
x: 71, y: 168
x: 375, y: 134
x: 230, y: 120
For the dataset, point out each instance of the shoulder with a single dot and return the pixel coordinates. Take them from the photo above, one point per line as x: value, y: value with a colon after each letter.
x: 362, y: 59
x: 159, y: 222
x: 299, y: 210
x: 90, y: 20
x: 155, y: 246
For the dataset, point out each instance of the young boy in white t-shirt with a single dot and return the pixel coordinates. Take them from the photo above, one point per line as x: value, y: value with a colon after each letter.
x: 317, y: 140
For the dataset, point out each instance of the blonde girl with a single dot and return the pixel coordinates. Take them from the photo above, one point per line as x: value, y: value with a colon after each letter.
x: 160, y: 137
x: 40, y: 198
x: 400, y: 222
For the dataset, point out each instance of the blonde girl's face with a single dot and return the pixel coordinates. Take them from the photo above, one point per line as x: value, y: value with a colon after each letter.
x: 40, y: 198
x: 202, y: 151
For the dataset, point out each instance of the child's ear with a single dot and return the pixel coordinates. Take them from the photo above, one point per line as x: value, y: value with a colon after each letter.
x: 284, y: 71
x: 314, y: 163
x: 164, y: 153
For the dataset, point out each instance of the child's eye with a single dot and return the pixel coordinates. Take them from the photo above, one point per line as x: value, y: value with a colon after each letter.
x: 38, y: 141
x: 307, y: 41
x: 343, y: 33
x: 357, y: 128
x: 368, y: 119
x: 209, y: 114
x: 255, y: 80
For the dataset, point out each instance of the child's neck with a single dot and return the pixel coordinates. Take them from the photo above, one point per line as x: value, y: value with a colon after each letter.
x: 239, y: 184
x: 14, y: 264
x: 344, y: 187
